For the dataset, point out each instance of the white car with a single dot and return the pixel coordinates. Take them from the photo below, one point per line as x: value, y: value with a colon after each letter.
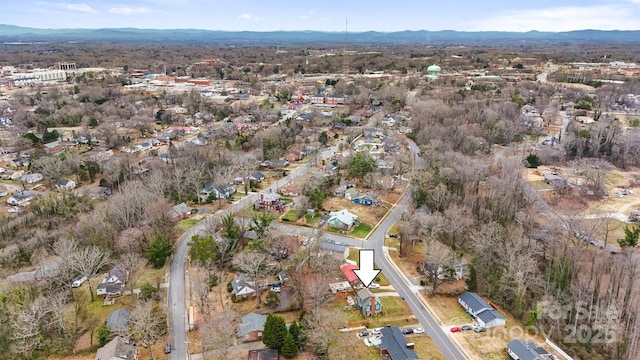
x: 78, y: 281
x: 2, y: 170
x: 418, y: 331
x: 374, y: 286
x: 276, y: 289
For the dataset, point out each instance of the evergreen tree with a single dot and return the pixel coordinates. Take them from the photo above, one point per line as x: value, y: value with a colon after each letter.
x: 472, y: 280
x: 289, y: 348
x: 294, y: 330
x: 274, y: 331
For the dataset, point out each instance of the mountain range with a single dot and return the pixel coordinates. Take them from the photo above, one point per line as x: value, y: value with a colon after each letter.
x: 17, y: 34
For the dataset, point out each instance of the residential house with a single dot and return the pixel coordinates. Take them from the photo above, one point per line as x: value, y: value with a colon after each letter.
x: 257, y: 177
x: 295, y: 155
x: 333, y: 248
x: 263, y: 354
x: 117, y: 349
x: 328, y: 169
x: 351, y: 194
x: 21, y: 198
x: 484, y: 313
x: 385, y: 182
x: 342, y: 219
x: 526, y: 350
x: 19, y: 162
x: 269, y: 201
x: 31, y: 178
x: 394, y: 346
x: 118, y: 321
x: 242, y: 286
x: 275, y: 163
x: 364, y: 200
x: 220, y: 191
x: 52, y: 147
x: 347, y: 270
x: 367, y: 302
x: 251, y: 327
x: 390, y: 121
x: 112, y: 283
x: 355, y: 119
x: 290, y: 189
x: 339, y: 191
x: 65, y: 184
x: 283, y: 276
x: 180, y: 211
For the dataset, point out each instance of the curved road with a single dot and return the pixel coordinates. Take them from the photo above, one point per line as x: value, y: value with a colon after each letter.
x: 176, y: 297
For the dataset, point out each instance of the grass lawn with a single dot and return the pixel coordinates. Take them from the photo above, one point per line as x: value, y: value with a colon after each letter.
x: 188, y: 223
x: 150, y: 275
x: 291, y: 215
x: 311, y: 220
x: 361, y: 230
x: 425, y: 348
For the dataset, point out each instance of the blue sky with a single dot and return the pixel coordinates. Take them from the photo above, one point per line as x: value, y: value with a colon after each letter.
x: 326, y: 15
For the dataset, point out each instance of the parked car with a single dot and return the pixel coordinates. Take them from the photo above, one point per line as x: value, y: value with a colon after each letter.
x: 466, y: 327
x: 276, y: 289
x: 456, y: 329
x: 167, y: 348
x: 78, y: 281
x: 407, y: 331
x: 395, y: 236
x: 479, y: 329
x: 363, y: 333
x: 374, y: 286
x: 376, y: 331
x: 418, y: 331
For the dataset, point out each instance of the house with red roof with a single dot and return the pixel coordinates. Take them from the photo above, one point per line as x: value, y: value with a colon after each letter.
x: 347, y: 270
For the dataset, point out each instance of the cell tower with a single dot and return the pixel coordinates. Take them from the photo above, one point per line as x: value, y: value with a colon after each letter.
x: 345, y: 54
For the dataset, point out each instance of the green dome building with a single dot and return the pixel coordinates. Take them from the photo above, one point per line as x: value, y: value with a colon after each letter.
x: 433, y: 71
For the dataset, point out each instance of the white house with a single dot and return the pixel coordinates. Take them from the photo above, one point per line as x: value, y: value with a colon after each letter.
x: 343, y: 219
x: 484, y: 313
x: 20, y: 198
x: 31, y: 178
x: 65, y: 184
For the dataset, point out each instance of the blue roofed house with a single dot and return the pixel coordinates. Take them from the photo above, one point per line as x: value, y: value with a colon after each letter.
x: 485, y: 314
x: 524, y: 350
x: 394, y: 346
x: 367, y: 302
x: 343, y: 219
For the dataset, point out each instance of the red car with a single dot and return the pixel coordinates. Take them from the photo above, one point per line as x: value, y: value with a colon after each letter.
x: 456, y: 329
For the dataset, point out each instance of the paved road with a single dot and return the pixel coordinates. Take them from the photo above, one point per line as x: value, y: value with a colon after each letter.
x: 176, y: 304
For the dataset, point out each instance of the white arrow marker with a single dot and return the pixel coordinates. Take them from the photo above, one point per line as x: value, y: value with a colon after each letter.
x: 366, y: 273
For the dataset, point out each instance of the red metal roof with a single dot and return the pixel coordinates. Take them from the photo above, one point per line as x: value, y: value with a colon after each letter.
x: 347, y: 270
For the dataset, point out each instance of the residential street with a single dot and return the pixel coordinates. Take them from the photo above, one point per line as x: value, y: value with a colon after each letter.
x: 406, y: 289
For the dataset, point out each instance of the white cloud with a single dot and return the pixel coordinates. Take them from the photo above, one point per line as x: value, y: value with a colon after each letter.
x: 304, y: 17
x: 127, y: 10
x: 250, y: 17
x: 81, y: 8
x: 564, y: 18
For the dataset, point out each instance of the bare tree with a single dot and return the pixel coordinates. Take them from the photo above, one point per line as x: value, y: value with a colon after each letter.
x: 27, y: 336
x: 89, y: 262
x: 147, y: 324
x: 200, y: 288
x: 256, y: 266
x: 131, y: 262
x: 439, y: 262
x: 219, y: 332
x: 52, y: 167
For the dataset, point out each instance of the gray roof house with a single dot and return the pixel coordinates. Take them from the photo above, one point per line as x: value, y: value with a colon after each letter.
x: 251, y: 327
x: 242, y: 286
x: 118, y: 321
x: 394, y: 345
x: 525, y: 350
x: 485, y: 314
x: 20, y: 198
x: 117, y: 349
x: 333, y: 248
x: 343, y: 219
